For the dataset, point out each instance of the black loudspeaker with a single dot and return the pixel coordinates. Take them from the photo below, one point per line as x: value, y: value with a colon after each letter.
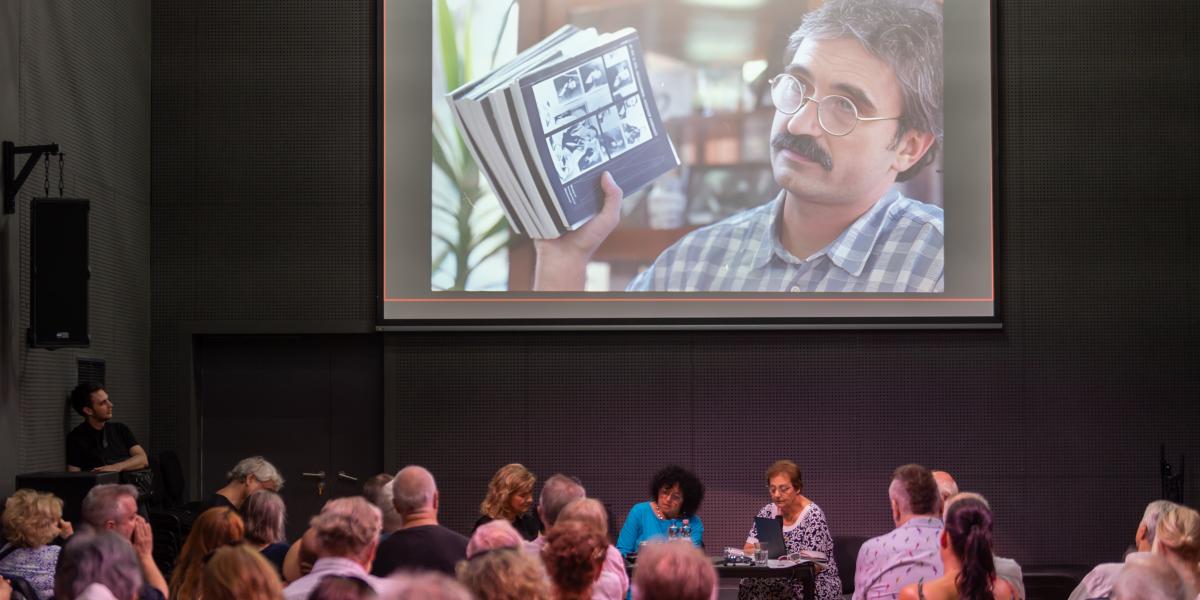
x: 58, y: 302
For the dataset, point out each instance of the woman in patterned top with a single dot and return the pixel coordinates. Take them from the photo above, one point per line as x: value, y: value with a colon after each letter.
x: 31, y: 520
x: 804, y: 528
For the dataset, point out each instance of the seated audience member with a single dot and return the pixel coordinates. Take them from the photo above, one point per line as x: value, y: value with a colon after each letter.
x: 1006, y: 568
x: 378, y: 491
x: 910, y: 552
x: 1178, y: 541
x: 336, y: 587
x: 265, y: 515
x: 215, y: 528
x: 1148, y: 577
x: 113, y: 507
x: 510, y: 497
x: 1099, y: 582
x: 804, y: 528
x: 99, y: 443
x: 674, y: 571
x: 675, y: 495
x: 613, y: 582
x: 347, y: 535
x: 425, y: 586
x: 504, y: 574
x: 558, y: 491
x: 966, y: 549
x: 245, y: 478
x: 494, y: 535
x: 421, y: 543
x: 300, y: 556
x: 574, y: 556
x: 239, y: 572
x: 98, y: 557
x: 32, y: 520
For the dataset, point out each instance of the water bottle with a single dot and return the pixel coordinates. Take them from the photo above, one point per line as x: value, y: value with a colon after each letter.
x: 673, y: 531
x: 685, y: 532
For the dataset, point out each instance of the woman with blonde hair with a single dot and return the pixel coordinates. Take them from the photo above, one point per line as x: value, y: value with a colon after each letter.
x: 510, y: 497
x: 31, y: 520
x: 239, y: 573
x: 505, y: 574
x: 613, y: 582
x: 1177, y: 539
x: 215, y: 528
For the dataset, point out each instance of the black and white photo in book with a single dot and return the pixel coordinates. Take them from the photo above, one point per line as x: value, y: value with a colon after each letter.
x: 592, y: 75
x: 620, y: 74
x: 635, y: 127
x: 577, y: 149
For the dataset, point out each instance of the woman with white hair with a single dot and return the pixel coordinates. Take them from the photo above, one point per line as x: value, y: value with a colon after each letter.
x: 1177, y: 540
x: 31, y: 521
x: 96, y: 563
x: 245, y: 478
x: 265, y: 514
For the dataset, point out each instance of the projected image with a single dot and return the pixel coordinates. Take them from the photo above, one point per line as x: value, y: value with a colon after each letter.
x: 577, y: 149
x: 620, y: 74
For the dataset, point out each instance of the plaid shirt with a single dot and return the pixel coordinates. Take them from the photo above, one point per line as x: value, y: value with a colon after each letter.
x: 894, y: 247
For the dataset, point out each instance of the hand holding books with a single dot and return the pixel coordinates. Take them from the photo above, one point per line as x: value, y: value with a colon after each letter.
x: 562, y: 261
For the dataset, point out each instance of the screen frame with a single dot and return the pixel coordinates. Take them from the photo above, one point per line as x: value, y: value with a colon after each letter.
x: 995, y: 321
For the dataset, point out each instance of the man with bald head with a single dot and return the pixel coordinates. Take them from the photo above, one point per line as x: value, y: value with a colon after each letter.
x: 421, y: 544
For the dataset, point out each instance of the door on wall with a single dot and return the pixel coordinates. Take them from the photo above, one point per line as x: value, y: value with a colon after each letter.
x: 310, y: 404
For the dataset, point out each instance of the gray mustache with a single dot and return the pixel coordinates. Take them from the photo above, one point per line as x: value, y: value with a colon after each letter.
x: 803, y: 145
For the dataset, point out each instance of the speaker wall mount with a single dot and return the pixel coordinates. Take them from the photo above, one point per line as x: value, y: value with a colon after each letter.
x: 12, y: 179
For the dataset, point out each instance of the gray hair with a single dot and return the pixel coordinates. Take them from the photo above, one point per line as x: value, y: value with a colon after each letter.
x: 257, y: 466
x: 1148, y: 577
x: 102, y: 503
x: 430, y: 585
x: 101, y: 557
x: 265, y: 514
x: 392, y: 520
x: 413, y: 489
x: 347, y: 526
x: 905, y: 34
x: 1154, y: 510
x: 558, y: 491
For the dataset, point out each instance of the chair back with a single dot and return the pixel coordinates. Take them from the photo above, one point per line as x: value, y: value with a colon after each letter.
x: 21, y: 588
x: 845, y: 553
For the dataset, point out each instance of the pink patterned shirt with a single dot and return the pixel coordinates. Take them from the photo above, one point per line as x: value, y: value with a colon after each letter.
x: 908, y: 554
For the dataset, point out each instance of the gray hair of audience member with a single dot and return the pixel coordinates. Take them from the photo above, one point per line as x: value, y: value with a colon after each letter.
x: 102, y: 505
x: 413, y: 489
x: 1154, y: 511
x: 430, y: 585
x: 905, y: 34
x: 101, y: 557
x: 558, y: 491
x: 1148, y: 577
x: 265, y: 515
x: 257, y: 466
x: 963, y: 496
x: 392, y: 520
x: 506, y: 574
x: 347, y: 527
x: 589, y: 511
x: 674, y: 571
x: 914, y: 491
x: 493, y: 535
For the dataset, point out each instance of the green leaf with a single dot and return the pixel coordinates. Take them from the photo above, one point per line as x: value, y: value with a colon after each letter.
x: 503, y: 28
x: 441, y: 258
x: 440, y: 160
x: 490, y: 253
x: 446, y: 35
x: 500, y: 226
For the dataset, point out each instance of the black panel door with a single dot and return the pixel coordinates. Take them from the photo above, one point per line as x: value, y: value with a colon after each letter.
x: 312, y: 405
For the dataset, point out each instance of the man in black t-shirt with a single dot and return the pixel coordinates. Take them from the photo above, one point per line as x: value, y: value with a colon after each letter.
x: 98, y: 443
x: 420, y: 544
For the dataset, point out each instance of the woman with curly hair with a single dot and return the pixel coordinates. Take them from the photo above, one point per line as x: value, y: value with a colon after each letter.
x: 505, y: 574
x: 510, y: 498
x: 966, y: 548
x: 31, y: 521
x: 574, y: 555
x: 215, y: 528
x: 675, y: 496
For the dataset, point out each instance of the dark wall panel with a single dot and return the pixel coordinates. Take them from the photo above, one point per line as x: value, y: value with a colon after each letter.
x: 1057, y: 419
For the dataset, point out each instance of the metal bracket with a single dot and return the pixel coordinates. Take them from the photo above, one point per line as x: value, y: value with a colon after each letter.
x: 12, y: 184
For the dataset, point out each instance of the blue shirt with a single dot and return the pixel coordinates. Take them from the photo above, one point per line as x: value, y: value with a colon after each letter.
x: 896, y: 246
x: 642, y: 524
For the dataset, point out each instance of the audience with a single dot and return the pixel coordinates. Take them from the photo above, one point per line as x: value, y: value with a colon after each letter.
x: 966, y: 552
x: 239, y: 572
x: 421, y: 543
x: 99, y: 443
x: 613, y: 582
x: 492, y: 536
x: 425, y: 586
x: 910, y: 553
x: 31, y: 521
x: 336, y: 587
x: 1006, y: 568
x: 674, y: 571
x: 378, y: 491
x: 509, y: 497
x: 1099, y: 582
x: 98, y: 558
x: 558, y: 491
x: 1178, y: 541
x: 504, y: 573
x: 1148, y: 577
x: 574, y: 555
x: 265, y: 516
x: 113, y: 507
x: 245, y: 478
x: 215, y: 528
x: 347, y: 536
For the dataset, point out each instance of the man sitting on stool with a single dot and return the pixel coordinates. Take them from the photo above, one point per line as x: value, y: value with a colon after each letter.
x: 97, y: 444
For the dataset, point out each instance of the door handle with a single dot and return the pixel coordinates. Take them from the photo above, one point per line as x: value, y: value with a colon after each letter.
x: 320, y: 477
x: 344, y: 476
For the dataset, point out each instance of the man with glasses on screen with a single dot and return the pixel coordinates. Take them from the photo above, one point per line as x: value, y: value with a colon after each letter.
x: 858, y: 108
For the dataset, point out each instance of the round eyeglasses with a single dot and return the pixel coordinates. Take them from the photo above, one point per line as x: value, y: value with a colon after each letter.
x: 837, y: 115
